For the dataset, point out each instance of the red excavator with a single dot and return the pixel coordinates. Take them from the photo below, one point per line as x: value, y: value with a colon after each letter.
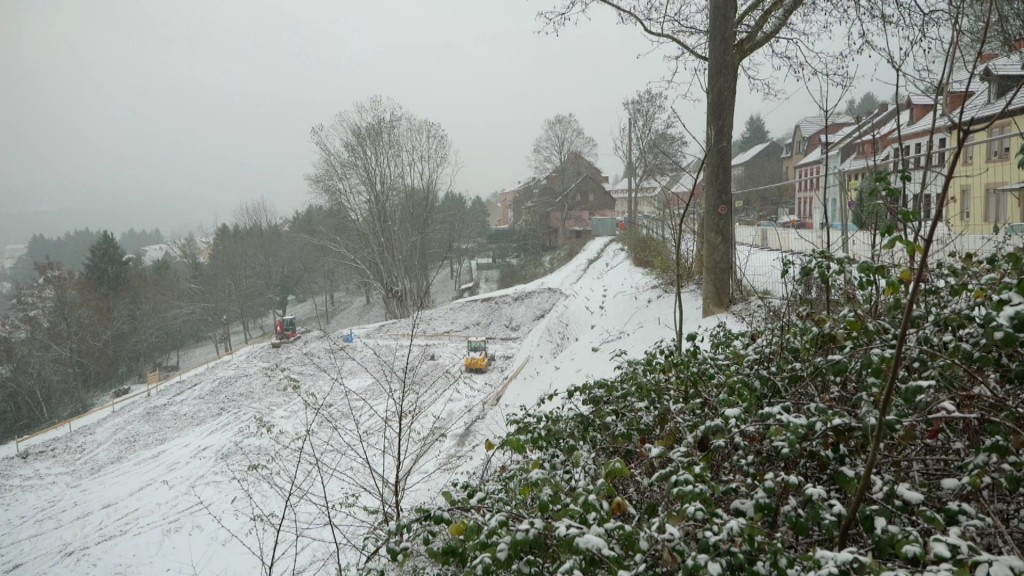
x: 285, y: 331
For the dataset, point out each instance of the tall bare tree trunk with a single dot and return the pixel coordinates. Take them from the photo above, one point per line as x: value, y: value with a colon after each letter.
x: 723, y: 70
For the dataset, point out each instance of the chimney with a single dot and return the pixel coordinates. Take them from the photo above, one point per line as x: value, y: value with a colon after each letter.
x: 954, y: 100
x: 990, y: 56
x: 883, y: 106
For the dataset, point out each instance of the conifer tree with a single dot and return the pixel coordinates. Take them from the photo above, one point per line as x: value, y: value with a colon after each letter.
x: 105, y: 268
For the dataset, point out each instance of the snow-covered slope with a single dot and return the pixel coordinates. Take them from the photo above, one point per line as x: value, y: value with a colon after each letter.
x: 148, y: 489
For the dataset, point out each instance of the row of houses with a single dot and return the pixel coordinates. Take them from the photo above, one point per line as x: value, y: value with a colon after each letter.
x: 829, y: 165
x: 821, y: 171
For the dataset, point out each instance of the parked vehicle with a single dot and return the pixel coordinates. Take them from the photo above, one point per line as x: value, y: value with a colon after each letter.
x: 285, y: 332
x: 850, y: 226
x: 477, y: 359
x: 1014, y: 229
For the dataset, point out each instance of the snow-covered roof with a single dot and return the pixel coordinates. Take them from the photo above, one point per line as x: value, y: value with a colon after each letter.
x: 526, y: 185
x: 935, y: 121
x: 154, y: 253
x: 963, y: 79
x: 678, y: 183
x: 980, y: 109
x: 920, y: 100
x: 1011, y: 65
x: 683, y: 183
x: 745, y: 157
x: 869, y: 129
x: 901, y: 121
x: 640, y: 191
x: 855, y: 162
x: 839, y: 135
x: 810, y: 125
x: 813, y: 158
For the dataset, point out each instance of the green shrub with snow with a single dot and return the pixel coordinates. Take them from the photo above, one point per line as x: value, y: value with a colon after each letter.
x: 741, y: 455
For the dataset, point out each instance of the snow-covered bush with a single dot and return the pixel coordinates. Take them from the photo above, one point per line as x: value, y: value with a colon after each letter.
x: 742, y: 454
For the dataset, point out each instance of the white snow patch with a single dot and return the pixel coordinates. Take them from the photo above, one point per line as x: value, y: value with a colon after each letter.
x: 949, y: 484
x: 938, y: 550
x: 593, y: 544
x: 909, y: 496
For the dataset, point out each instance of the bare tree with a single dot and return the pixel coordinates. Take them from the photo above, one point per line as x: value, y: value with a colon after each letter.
x: 384, y: 171
x: 719, y: 40
x: 320, y: 272
x: 657, y: 143
x: 560, y: 137
x: 369, y: 440
x: 983, y: 33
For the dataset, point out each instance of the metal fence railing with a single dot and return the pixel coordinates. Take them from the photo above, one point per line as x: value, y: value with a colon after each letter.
x: 762, y: 268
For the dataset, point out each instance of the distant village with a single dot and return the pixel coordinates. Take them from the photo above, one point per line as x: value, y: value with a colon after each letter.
x: 821, y: 171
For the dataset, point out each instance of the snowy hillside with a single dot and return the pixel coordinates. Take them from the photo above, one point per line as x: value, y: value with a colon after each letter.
x: 153, y: 487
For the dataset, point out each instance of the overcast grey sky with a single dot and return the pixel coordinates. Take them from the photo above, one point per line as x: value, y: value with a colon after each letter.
x: 143, y: 113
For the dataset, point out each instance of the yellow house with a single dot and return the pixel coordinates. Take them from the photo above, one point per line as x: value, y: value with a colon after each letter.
x: 988, y: 185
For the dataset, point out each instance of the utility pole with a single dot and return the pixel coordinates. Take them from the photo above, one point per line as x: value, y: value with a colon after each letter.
x: 630, y: 200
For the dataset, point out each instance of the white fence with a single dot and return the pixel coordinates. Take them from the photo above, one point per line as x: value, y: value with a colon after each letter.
x: 761, y: 271
x: 862, y: 243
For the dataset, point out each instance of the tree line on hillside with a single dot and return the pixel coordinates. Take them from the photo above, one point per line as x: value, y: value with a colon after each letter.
x: 81, y: 328
x: 71, y: 249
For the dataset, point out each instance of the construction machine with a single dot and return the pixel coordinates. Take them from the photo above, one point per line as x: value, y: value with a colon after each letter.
x: 477, y: 359
x: 285, y: 331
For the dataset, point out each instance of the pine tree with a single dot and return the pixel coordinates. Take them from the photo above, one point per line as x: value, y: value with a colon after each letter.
x: 864, y: 107
x: 105, y: 268
x: 754, y: 133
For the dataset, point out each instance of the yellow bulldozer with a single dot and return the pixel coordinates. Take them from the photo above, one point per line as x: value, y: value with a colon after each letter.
x: 477, y: 359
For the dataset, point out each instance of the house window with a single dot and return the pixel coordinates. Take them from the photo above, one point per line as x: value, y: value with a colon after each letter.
x: 926, y: 207
x: 965, y: 203
x: 917, y: 155
x: 995, y: 204
x: 999, y: 144
x: 942, y: 152
x: 968, y: 158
